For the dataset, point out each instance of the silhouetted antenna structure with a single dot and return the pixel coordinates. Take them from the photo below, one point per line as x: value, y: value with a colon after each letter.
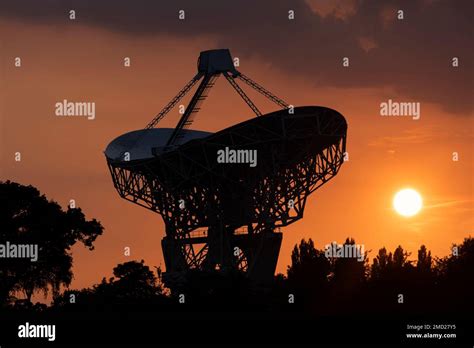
x: 173, y: 102
x: 263, y: 91
x: 223, y: 215
x: 165, y: 110
x: 221, y: 64
x: 193, y: 107
x: 242, y: 94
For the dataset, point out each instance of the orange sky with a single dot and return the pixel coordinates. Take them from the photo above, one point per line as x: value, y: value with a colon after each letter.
x: 64, y: 158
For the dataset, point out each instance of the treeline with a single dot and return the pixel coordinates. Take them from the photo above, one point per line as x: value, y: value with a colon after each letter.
x: 314, y: 283
x: 390, y: 284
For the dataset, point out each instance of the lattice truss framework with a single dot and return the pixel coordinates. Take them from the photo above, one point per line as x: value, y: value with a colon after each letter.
x: 210, y: 208
x: 273, y: 195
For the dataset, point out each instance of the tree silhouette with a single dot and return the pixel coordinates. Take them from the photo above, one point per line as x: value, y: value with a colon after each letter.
x: 308, y: 275
x: 133, y: 285
x: 27, y: 217
x: 388, y: 266
x: 349, y: 271
x: 400, y: 258
x: 309, y: 266
x: 381, y: 264
x: 133, y: 281
x: 455, y: 274
x: 424, y: 261
x: 348, y: 277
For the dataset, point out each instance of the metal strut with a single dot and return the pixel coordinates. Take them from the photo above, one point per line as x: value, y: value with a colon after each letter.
x: 174, y: 101
x: 263, y: 91
x: 242, y: 94
x: 201, y: 94
x: 192, y: 108
x: 166, y: 109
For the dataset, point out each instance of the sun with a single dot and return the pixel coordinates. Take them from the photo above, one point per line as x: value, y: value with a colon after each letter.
x: 407, y: 202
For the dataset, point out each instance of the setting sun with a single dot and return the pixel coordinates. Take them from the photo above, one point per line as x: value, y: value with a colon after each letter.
x: 407, y: 202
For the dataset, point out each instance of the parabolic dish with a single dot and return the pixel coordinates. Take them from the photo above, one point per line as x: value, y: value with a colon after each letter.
x: 140, y: 143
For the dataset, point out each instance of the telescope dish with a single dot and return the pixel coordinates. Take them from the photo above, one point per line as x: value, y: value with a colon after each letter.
x: 226, y: 216
x: 140, y: 144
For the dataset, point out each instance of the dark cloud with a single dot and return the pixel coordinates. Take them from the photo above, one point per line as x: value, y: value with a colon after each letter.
x: 412, y: 55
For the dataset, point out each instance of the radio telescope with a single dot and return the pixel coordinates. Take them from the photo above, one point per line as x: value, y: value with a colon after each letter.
x: 224, y: 217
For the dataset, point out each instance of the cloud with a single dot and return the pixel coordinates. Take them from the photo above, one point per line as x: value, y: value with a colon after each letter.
x: 413, y: 55
x: 451, y: 203
x: 423, y: 134
x: 337, y: 8
x: 412, y: 136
